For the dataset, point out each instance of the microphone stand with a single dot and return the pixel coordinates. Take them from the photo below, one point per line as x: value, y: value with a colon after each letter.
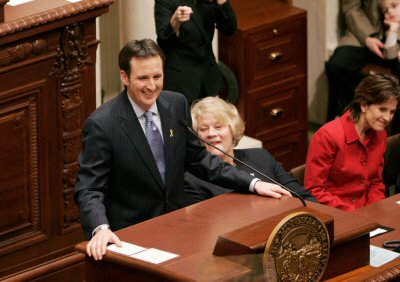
x: 186, y: 125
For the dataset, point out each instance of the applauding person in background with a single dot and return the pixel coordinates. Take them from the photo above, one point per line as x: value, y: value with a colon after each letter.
x: 185, y: 34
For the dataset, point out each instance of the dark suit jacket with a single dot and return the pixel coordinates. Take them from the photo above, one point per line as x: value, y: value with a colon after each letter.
x: 119, y: 183
x: 190, y: 60
x: 199, y: 190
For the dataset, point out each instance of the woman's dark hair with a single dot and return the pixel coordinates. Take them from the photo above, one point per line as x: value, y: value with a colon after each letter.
x: 140, y: 49
x: 374, y: 89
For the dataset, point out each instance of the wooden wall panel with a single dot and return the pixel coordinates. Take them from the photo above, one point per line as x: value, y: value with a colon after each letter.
x: 19, y: 193
x: 47, y: 70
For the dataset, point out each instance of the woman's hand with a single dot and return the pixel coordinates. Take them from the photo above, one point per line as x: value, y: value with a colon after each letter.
x: 270, y: 190
x: 375, y: 45
x: 182, y: 14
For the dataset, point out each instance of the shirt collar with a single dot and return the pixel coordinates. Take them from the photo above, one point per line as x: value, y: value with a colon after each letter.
x: 139, y: 111
x: 350, y: 131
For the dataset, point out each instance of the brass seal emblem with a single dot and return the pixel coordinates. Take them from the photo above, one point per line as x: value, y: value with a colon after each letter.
x: 297, y: 249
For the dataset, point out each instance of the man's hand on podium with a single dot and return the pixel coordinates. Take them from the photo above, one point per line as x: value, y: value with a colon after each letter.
x: 98, y: 244
x: 270, y: 190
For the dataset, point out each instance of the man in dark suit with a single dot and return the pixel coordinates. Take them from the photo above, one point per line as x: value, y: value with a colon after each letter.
x: 124, y: 178
x: 185, y: 30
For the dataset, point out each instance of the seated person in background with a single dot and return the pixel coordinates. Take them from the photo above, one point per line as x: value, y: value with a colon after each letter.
x: 219, y: 123
x: 360, y: 44
x: 391, y: 11
x: 346, y: 156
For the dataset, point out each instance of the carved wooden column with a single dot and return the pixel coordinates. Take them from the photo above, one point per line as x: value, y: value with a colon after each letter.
x: 71, y: 61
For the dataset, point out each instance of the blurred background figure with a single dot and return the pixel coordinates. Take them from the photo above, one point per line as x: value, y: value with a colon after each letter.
x: 185, y: 34
x: 346, y: 156
x: 219, y: 123
x: 391, y: 12
x: 361, y: 45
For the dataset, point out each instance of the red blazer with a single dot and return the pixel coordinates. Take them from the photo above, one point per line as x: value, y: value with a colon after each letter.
x: 343, y: 171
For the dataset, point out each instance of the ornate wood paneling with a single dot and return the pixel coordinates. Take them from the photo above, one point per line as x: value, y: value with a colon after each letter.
x: 22, y: 51
x: 47, y: 69
x: 20, y: 210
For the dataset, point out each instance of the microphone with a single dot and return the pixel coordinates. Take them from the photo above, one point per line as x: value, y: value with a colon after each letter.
x: 186, y: 125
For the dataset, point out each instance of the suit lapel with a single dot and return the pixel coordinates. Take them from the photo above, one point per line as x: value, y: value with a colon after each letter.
x: 131, y: 126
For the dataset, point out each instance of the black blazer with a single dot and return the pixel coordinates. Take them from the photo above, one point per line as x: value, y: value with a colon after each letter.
x: 118, y: 181
x: 199, y: 190
x: 190, y: 60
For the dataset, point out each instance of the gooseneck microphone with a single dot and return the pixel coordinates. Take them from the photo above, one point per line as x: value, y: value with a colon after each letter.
x: 186, y: 125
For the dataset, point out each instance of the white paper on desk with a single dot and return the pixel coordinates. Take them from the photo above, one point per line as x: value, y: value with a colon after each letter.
x: 126, y: 249
x: 379, y: 256
x: 154, y: 256
x: 377, y: 232
x: 17, y: 2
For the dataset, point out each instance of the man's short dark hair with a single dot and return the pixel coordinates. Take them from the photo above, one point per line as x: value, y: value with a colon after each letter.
x: 140, y: 49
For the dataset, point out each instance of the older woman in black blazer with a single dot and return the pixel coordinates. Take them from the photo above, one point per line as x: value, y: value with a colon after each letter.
x: 185, y: 30
x: 219, y: 123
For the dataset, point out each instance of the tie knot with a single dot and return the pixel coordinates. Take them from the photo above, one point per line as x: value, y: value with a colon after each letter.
x: 148, y: 116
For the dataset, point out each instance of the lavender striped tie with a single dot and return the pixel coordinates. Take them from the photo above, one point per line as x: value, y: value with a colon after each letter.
x: 156, y: 144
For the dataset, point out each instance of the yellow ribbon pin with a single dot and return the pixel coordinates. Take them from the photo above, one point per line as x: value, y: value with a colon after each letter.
x: 171, y: 133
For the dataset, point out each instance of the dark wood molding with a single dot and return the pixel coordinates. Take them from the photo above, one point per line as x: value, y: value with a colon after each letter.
x: 22, y: 51
x: 74, y: 259
x: 392, y: 274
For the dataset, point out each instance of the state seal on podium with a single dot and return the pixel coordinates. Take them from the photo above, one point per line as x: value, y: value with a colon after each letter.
x: 297, y: 249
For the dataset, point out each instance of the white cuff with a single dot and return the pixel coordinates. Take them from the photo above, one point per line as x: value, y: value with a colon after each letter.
x: 252, y: 184
x: 391, y: 39
x: 100, y: 227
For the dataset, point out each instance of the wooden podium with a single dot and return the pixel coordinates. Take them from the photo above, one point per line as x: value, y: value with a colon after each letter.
x: 47, y: 90
x: 192, y: 233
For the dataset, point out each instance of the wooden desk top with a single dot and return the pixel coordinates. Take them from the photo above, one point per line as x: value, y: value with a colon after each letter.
x: 386, y: 213
x: 193, y: 231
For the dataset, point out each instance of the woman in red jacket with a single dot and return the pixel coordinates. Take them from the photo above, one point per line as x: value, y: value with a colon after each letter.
x: 345, y: 158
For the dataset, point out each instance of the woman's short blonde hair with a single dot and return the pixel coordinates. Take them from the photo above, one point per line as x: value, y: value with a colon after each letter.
x: 223, y: 111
